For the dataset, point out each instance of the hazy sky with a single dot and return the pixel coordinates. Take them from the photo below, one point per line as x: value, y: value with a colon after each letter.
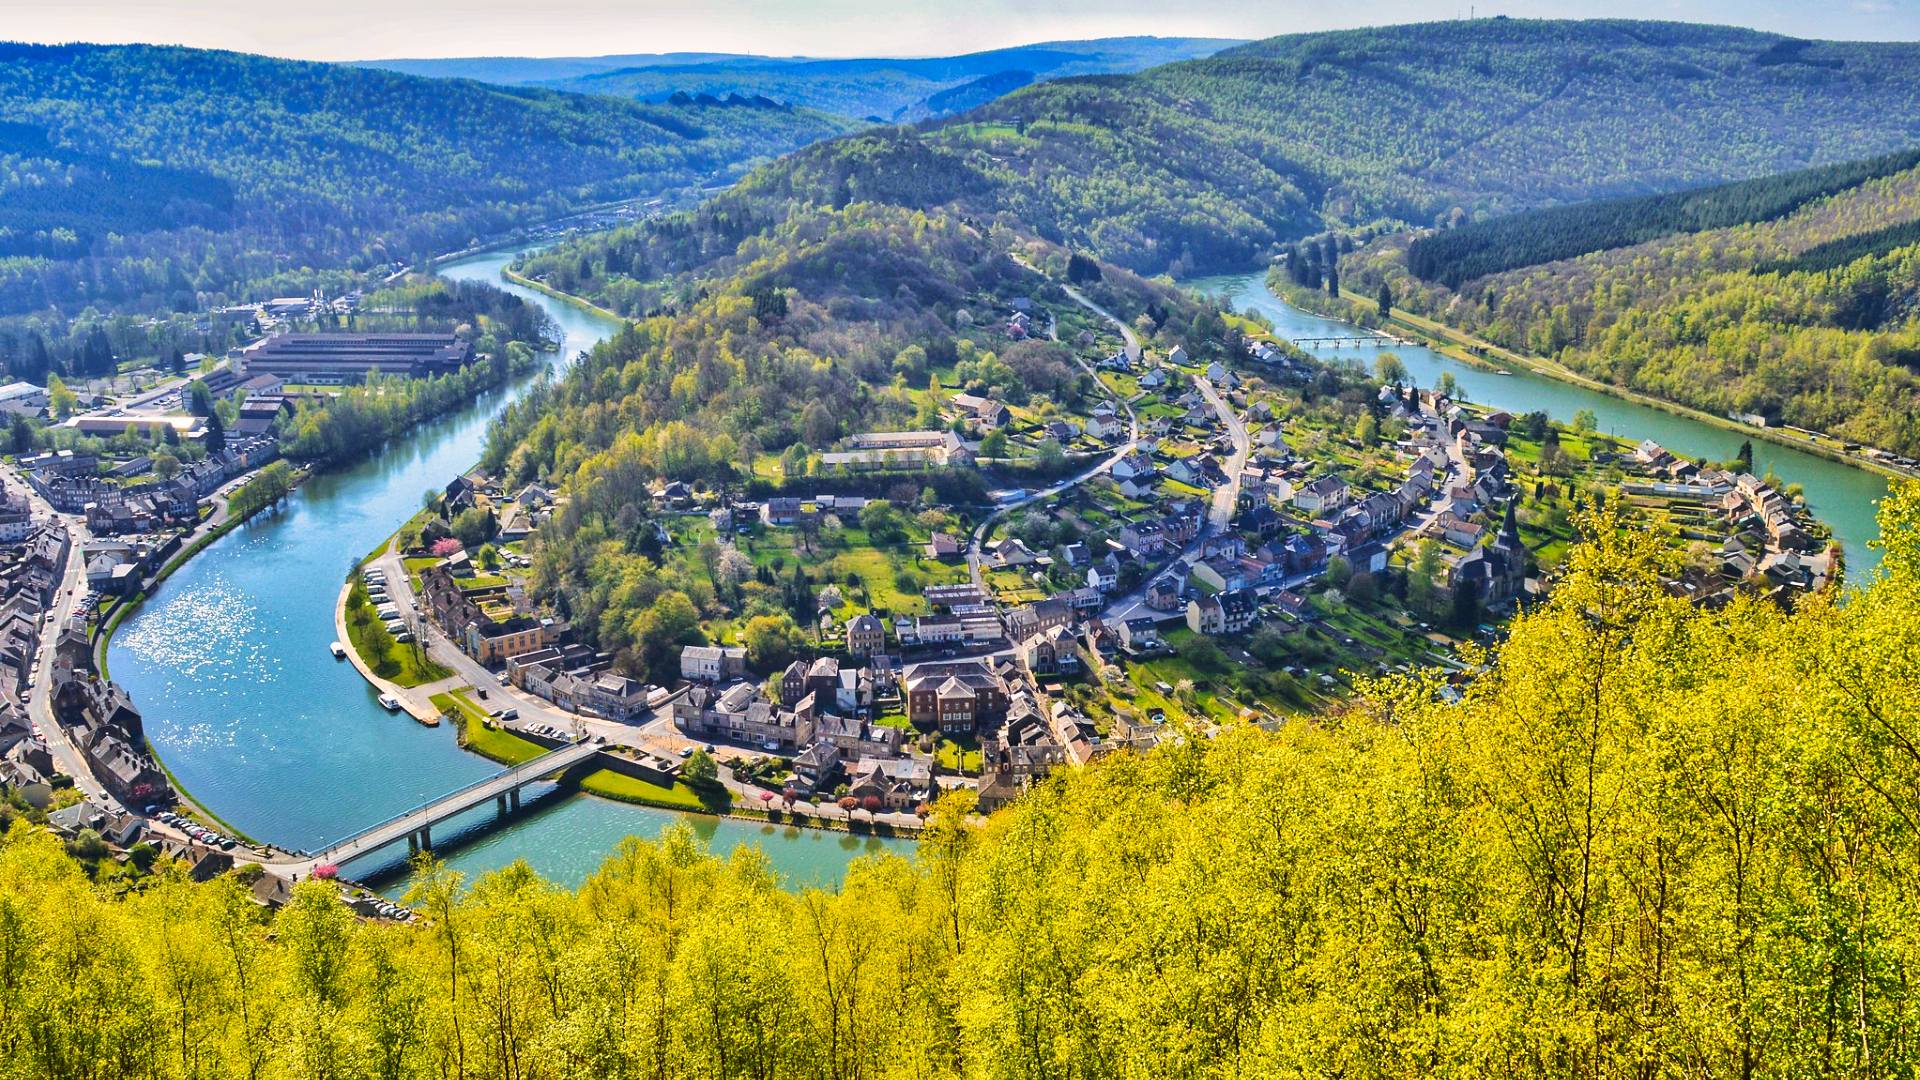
x: 369, y: 29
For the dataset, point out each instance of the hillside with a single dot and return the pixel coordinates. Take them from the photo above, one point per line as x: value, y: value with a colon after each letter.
x: 1206, y: 164
x: 888, y: 88
x: 1619, y: 853
x: 165, y: 177
x: 1807, y: 315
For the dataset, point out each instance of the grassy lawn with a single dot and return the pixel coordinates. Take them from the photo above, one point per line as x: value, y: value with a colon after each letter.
x: 623, y: 788
x: 388, y: 658
x: 479, y: 736
x: 414, y: 566
x: 958, y: 756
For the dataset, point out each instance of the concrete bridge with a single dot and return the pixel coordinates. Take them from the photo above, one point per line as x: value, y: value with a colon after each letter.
x: 1381, y: 340
x: 415, y: 826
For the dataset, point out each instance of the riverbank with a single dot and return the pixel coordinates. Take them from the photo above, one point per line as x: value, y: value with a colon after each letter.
x: 1453, y: 342
x: 544, y: 289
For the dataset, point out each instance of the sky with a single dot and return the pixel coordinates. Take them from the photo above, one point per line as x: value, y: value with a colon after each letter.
x: 382, y: 29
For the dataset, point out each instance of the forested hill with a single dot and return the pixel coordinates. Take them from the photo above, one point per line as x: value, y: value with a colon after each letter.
x: 1795, y: 298
x: 166, y: 176
x: 1204, y: 164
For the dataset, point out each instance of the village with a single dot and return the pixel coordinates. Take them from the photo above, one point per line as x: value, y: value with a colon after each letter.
x: 1229, y: 545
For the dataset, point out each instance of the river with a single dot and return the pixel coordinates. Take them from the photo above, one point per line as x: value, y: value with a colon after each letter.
x: 1842, y: 496
x: 229, y: 664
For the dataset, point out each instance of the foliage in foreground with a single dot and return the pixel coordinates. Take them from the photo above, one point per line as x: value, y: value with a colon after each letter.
x: 1648, y: 840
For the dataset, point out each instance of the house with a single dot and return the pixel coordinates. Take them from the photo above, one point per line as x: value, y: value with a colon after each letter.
x: 1049, y: 652
x: 896, y: 783
x: 1154, y: 379
x: 955, y: 695
x: 1106, y: 424
x: 943, y: 546
x: 492, y: 641
x: 1177, y: 356
x: 1062, y: 431
x: 1164, y: 593
x: 1322, y: 496
x: 866, y: 635
x: 1455, y: 529
x: 1139, y: 634
x: 786, y: 510
x: 617, y: 697
x: 988, y: 412
x: 1104, y: 576
x: 1042, y: 615
x: 1222, y: 613
x: 1011, y: 552
x: 1136, y: 463
x: 738, y: 715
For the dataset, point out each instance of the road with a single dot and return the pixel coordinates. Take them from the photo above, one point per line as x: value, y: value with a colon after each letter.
x: 1227, y: 496
x: 73, y: 583
x: 977, y: 542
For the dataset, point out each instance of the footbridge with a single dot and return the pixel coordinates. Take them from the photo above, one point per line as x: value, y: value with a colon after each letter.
x: 415, y: 826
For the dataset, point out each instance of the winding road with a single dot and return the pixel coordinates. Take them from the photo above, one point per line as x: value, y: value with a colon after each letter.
x: 977, y: 542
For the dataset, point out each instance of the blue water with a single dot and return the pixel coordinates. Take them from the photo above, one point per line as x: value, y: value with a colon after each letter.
x: 1842, y: 496
x: 229, y: 664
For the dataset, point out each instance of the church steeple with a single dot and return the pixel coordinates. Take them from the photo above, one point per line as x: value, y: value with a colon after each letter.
x: 1510, y: 528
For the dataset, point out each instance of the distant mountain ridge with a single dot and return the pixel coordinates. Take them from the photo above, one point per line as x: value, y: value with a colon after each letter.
x: 891, y: 89
x: 527, y: 70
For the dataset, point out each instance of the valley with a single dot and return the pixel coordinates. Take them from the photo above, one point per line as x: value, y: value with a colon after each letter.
x: 1371, y: 552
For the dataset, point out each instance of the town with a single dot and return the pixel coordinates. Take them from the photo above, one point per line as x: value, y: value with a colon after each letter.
x: 1314, y: 526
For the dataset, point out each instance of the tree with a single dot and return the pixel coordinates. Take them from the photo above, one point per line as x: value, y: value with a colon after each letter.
x: 1743, y: 460
x: 1585, y: 422
x: 21, y: 434
x: 1367, y: 429
x: 817, y: 425
x: 994, y: 445
x: 700, y: 769
x: 1385, y: 300
x: 883, y: 523
x: 165, y: 465
x: 216, y: 439
x: 60, y: 400
x: 771, y: 641
x: 199, y: 399
x: 1082, y: 270
x: 1448, y: 386
x: 473, y: 527
x: 1389, y: 370
x: 1339, y: 572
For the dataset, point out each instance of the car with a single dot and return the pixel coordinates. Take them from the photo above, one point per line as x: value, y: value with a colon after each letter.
x: 509, y: 714
x: 708, y: 748
x: 686, y: 751
x: 482, y: 693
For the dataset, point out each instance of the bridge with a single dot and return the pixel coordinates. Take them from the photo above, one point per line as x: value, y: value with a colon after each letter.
x: 1364, y: 339
x: 416, y: 825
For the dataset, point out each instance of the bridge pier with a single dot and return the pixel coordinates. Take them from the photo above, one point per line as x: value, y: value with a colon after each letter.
x: 500, y: 805
x: 513, y: 796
